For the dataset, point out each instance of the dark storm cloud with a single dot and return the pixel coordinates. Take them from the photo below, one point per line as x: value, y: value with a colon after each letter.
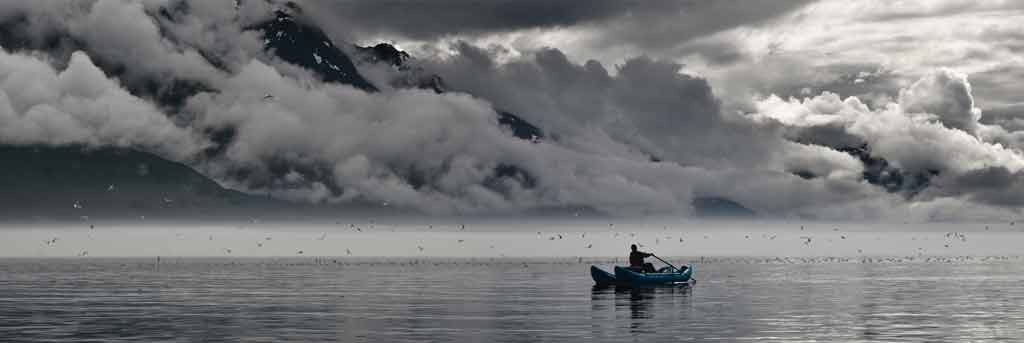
x: 994, y: 185
x: 1009, y: 117
x: 659, y: 29
x: 431, y: 19
x: 656, y: 25
x: 1000, y: 86
x: 646, y: 103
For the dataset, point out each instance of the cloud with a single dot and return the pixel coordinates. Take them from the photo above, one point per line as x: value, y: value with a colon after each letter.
x: 992, y: 185
x: 647, y: 105
x: 643, y: 23
x: 216, y: 30
x: 146, y: 44
x: 649, y: 109
x: 439, y: 153
x: 80, y: 105
x: 947, y: 95
x: 638, y: 137
x: 445, y: 153
x: 667, y: 27
x: 743, y: 48
x: 116, y: 31
x: 931, y: 129
x: 1010, y: 117
x: 609, y: 31
x: 433, y: 19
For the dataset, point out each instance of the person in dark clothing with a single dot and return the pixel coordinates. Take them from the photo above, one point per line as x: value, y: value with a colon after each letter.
x: 636, y: 260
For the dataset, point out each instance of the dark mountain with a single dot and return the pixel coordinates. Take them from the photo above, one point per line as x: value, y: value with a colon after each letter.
x: 803, y: 174
x: 716, y: 207
x: 71, y: 182
x: 79, y: 183
x: 878, y: 171
x: 309, y: 47
x: 520, y: 128
x: 384, y: 53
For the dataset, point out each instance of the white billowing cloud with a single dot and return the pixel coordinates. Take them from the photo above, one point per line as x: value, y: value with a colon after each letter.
x: 118, y: 31
x: 946, y: 94
x: 930, y: 129
x: 375, y: 144
x: 121, y: 31
x: 411, y: 131
x: 821, y: 161
x: 920, y: 145
x: 216, y: 28
x: 80, y: 105
x: 148, y: 40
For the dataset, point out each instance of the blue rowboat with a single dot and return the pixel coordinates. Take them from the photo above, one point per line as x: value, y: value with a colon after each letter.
x: 627, y: 277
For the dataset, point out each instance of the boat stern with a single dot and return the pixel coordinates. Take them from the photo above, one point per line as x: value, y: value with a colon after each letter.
x: 601, y: 277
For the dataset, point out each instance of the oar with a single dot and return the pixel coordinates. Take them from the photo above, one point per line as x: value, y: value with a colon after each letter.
x: 666, y: 262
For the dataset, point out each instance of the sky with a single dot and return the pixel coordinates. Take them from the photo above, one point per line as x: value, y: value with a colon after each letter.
x: 645, y: 105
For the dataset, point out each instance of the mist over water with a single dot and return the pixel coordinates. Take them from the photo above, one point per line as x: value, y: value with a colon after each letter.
x: 421, y: 238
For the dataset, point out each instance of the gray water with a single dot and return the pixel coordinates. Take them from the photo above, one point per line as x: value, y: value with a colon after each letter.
x: 301, y: 300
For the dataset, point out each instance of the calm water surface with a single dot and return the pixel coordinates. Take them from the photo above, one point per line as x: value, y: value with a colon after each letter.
x: 253, y: 300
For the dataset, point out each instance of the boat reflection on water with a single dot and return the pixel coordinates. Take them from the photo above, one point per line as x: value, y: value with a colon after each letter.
x: 642, y: 303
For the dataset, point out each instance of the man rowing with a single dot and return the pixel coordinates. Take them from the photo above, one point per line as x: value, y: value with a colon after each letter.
x: 636, y: 260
